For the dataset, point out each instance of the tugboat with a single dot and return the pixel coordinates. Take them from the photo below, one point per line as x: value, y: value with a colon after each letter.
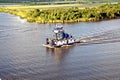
x: 61, y: 39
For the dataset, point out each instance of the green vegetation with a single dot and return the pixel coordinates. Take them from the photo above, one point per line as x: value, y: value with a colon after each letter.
x: 63, y: 15
x: 55, y: 2
x: 1, y: 9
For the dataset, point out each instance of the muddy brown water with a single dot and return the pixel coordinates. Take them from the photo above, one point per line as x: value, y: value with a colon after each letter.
x: 22, y: 56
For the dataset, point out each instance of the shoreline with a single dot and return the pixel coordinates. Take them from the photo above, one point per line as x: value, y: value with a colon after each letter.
x: 67, y: 15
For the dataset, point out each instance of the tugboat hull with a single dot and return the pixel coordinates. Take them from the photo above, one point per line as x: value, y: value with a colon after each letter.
x: 48, y: 46
x: 62, y: 46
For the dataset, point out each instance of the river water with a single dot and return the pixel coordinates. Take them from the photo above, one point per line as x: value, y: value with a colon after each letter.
x: 22, y: 56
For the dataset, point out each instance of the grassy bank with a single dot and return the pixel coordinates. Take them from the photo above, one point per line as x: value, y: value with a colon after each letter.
x: 64, y: 13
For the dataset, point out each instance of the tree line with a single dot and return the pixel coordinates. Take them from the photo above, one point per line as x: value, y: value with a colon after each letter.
x: 63, y: 15
x: 55, y: 2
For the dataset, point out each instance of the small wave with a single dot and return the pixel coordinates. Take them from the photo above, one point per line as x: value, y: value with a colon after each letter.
x: 104, y: 37
x: 4, y: 36
x: 23, y: 29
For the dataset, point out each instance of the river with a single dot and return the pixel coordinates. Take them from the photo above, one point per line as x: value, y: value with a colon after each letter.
x: 22, y: 56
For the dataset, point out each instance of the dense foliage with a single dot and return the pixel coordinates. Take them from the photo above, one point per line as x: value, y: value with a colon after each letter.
x: 49, y: 0
x: 56, y: 1
x: 107, y: 11
x: 1, y: 9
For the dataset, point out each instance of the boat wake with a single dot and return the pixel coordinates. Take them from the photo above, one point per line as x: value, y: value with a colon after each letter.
x: 102, y: 38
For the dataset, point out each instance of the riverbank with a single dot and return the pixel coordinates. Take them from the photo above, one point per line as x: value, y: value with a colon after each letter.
x: 60, y: 14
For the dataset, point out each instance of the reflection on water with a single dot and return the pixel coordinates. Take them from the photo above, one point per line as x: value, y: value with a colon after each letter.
x: 58, y: 53
x: 22, y: 56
